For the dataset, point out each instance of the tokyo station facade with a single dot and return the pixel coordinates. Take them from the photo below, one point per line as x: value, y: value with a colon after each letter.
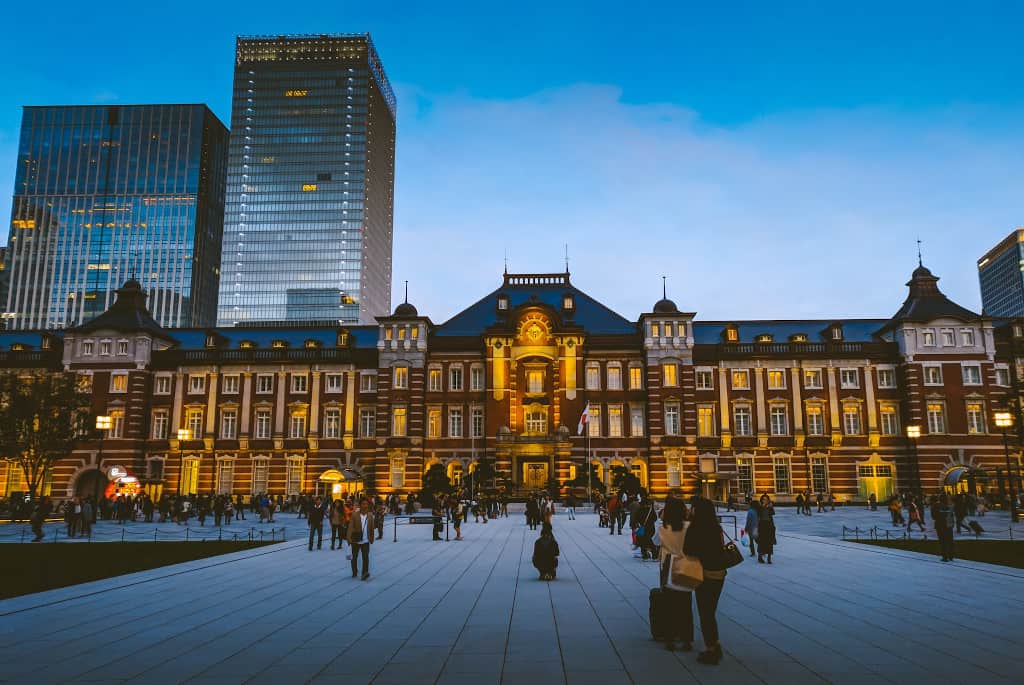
x: 717, y: 407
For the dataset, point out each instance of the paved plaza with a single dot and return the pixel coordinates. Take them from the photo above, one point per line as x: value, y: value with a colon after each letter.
x: 474, y: 612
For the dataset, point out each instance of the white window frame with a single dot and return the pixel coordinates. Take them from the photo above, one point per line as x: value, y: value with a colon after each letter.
x: 399, y: 428
x: 258, y: 432
x: 332, y: 423
x: 968, y: 337
x: 776, y: 425
x: 817, y: 410
x: 745, y: 475
x: 706, y: 421
x: 434, y: 422
x: 594, y: 421
x: 673, y: 419
x: 674, y: 466
x: 928, y: 370
x: 928, y: 337
x: 396, y: 471
x: 105, y: 348
x: 455, y: 422
x: 225, y: 472
x: 264, y: 384
x: 1001, y: 374
x: 477, y: 378
x: 783, y: 464
x: 367, y: 381
x: 160, y: 425
x: 614, y: 376
x: 848, y: 427
x: 435, y: 376
x: 114, y: 378
x: 704, y: 379
x: 196, y: 383
x: 122, y: 348
x: 298, y: 424
x: 637, y: 422
x: 230, y: 383
x: 400, y: 377
x: 891, y: 373
x: 476, y: 422
x: 614, y: 420
x: 300, y: 383
x: 194, y: 417
x: 229, y: 424
x: 260, y: 475
x: 672, y: 382
x: 937, y: 421
x: 294, y: 470
x: 819, y: 465
x: 456, y: 382
x: 639, y: 375
x: 781, y: 375
x: 815, y: 374
x: 367, y: 422
x: 976, y: 368
x: 592, y: 376
x: 888, y: 414
x: 849, y: 378
x: 738, y: 429
x: 334, y: 383
x: 948, y: 337
x: 88, y: 348
x: 978, y: 426
x: 734, y: 374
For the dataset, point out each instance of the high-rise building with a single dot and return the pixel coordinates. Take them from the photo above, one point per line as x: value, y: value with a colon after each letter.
x: 308, y: 222
x: 1001, y: 274
x: 106, y: 193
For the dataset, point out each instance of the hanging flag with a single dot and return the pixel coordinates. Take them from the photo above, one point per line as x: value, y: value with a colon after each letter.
x: 584, y: 419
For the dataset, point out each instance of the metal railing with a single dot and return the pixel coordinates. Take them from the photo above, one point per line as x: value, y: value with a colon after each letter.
x: 176, y: 534
x: 428, y: 519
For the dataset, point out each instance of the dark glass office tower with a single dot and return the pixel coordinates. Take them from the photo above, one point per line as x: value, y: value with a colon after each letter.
x: 106, y: 193
x: 1001, y: 275
x: 311, y: 174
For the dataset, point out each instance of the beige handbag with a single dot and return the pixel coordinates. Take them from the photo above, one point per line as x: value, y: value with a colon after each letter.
x: 682, y: 573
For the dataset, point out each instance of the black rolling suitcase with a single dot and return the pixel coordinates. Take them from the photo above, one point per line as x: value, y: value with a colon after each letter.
x: 657, y: 613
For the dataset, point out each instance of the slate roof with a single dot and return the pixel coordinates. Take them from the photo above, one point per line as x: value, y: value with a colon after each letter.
x: 590, y: 314
x: 854, y: 330
x: 925, y: 302
x: 128, y: 313
x: 263, y: 338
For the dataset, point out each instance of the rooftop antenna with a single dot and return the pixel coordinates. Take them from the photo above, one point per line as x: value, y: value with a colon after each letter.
x: 407, y: 292
x: 567, y: 258
x: 919, y: 252
x: 506, y: 261
x: 664, y: 288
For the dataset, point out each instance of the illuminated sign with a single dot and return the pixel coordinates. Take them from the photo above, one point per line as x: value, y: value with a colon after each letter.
x: 296, y: 93
x: 308, y: 187
x: 116, y: 472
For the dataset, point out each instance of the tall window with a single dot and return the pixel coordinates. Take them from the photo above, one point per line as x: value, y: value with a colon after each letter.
x: 1002, y: 375
x: 928, y: 337
x: 975, y: 417
x: 967, y: 337
x: 740, y: 379
x: 367, y: 422
x: 594, y: 421
x: 262, y: 424
x: 890, y: 422
x: 477, y: 419
x: 614, y: 377
x: 160, y: 423
x: 782, y: 477
x: 194, y: 422
x: 669, y: 374
x: 332, y: 423
x: 705, y: 420
x: 972, y: 374
x: 162, y: 385
x: 476, y: 378
x: 293, y: 476
x: 741, y: 419
x: 118, y: 382
x: 849, y: 378
x: 933, y: 375
x: 776, y: 379
x: 636, y: 378
x: 779, y: 420
x: 264, y: 384
x: 398, y: 472
x: 104, y: 347
x: 886, y: 378
x: 434, y: 423
x: 225, y: 476
x: 229, y: 384
x: 197, y: 383
x: 593, y: 377
x: 368, y: 382
x: 189, y: 476
x: 636, y: 421
x: 298, y: 424
x: 675, y: 471
x: 615, y: 420
x: 745, y: 475
x: 535, y: 381
x: 260, y: 475
x: 705, y: 380
x: 434, y: 380
x: 812, y: 379
x: 455, y: 378
x: 536, y: 421
x: 455, y: 422
x: 401, y: 377
x: 398, y: 424
x: 819, y: 474
x: 851, y: 419
x: 936, y: 417
x: 948, y: 339
x: 122, y: 347
x: 815, y: 420
x: 334, y: 382
x: 672, y: 426
x: 229, y: 424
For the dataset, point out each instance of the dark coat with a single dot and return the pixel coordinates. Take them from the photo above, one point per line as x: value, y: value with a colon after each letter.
x: 545, y: 553
x: 766, y: 530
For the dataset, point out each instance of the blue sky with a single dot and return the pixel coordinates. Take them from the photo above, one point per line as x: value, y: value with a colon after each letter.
x: 773, y: 159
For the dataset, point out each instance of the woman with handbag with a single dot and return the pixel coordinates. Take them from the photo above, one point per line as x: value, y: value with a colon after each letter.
x: 765, y: 529
x: 678, y: 603
x: 704, y: 540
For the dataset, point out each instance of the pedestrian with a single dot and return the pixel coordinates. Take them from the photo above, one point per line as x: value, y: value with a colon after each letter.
x: 832, y: 501
x: 944, y: 516
x: 86, y: 519
x: 648, y: 519
x: 360, y: 536
x: 378, y: 517
x: 532, y: 513
x: 570, y: 507
x: 750, y: 527
x: 38, y: 516
x: 337, y: 522
x: 765, y: 529
x: 873, y: 502
x: 228, y: 511
x: 960, y: 511
x: 315, y: 519
x: 704, y: 540
x: 438, y: 515
x: 914, y: 515
x: 821, y: 503
x: 456, y: 517
x: 545, y: 553
x: 799, y: 503
x: 679, y: 603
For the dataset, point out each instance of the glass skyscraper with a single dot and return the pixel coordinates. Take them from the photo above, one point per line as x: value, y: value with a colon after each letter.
x: 308, y: 222
x: 106, y: 193
x: 1001, y: 275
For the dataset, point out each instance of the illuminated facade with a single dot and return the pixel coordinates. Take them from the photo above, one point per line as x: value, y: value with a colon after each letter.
x: 686, y: 405
x: 1001, y: 275
x: 308, y: 224
x: 107, y: 192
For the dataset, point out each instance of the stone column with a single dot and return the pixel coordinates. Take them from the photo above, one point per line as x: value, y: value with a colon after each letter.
x: 833, y: 408
x: 869, y: 395
x: 351, y: 379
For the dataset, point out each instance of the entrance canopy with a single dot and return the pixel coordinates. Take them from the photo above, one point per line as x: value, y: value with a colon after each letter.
x: 337, y: 476
x: 959, y: 473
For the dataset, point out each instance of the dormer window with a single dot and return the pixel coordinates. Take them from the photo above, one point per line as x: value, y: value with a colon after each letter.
x: 211, y: 341
x: 928, y: 337
x: 948, y: 339
x: 19, y: 347
x: 502, y: 303
x: 246, y: 345
x: 836, y: 332
x: 1018, y: 331
x: 568, y: 304
x: 342, y: 340
x: 279, y: 344
x: 312, y: 344
x: 765, y: 338
x: 105, y: 348
x: 732, y: 334
x: 798, y: 338
x: 87, y: 348
x: 388, y: 333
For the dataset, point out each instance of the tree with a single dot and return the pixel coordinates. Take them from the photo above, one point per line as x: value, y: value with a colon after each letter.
x: 623, y: 479
x: 41, y: 417
x: 484, y: 474
x: 435, y: 481
x: 581, y: 480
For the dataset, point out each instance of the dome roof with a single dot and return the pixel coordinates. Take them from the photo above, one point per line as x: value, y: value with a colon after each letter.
x: 406, y: 310
x: 665, y: 306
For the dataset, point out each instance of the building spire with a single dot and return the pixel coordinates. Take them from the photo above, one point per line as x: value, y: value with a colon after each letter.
x: 919, y: 262
x: 407, y: 292
x: 506, y: 261
x: 664, y: 288
x: 567, y: 258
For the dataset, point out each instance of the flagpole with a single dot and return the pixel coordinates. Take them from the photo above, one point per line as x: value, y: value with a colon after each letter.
x: 590, y: 492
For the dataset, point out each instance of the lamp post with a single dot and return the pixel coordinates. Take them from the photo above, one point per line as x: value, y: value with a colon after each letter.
x: 103, y: 423
x: 913, y: 433
x: 183, y: 435
x: 1004, y: 420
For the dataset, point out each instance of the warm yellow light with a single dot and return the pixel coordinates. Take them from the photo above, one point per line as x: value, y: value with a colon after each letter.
x: 308, y: 187
x: 1003, y: 419
x: 184, y: 434
x: 103, y: 423
x: 296, y: 93
x: 913, y: 432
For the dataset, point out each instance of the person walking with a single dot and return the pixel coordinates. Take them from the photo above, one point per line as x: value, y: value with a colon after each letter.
x: 315, y: 519
x: 914, y: 515
x: 360, y: 536
x: 750, y: 527
x: 678, y: 603
x: 545, y: 553
x: 456, y: 517
x: 944, y: 516
x: 86, y: 520
x: 765, y: 529
x: 337, y: 523
x: 570, y: 507
x: 437, y: 512
x: 532, y: 513
x: 703, y: 540
x: 648, y: 518
x: 38, y: 516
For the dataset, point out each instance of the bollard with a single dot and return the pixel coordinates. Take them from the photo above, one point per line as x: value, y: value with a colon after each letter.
x: 283, y: 528
x: 23, y: 536
x: 395, y: 522
x: 273, y: 534
x: 154, y: 534
x: 446, y: 522
x: 186, y: 533
x: 220, y: 532
x: 122, y: 533
x: 55, y: 530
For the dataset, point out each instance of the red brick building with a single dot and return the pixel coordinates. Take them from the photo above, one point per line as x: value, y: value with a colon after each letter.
x: 684, y: 404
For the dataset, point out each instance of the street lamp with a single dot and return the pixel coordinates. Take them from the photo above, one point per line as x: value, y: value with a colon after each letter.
x: 183, y: 435
x: 1004, y: 420
x: 103, y: 424
x: 913, y: 433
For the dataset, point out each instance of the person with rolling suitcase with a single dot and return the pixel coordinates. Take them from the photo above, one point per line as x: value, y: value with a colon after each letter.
x: 671, y: 609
